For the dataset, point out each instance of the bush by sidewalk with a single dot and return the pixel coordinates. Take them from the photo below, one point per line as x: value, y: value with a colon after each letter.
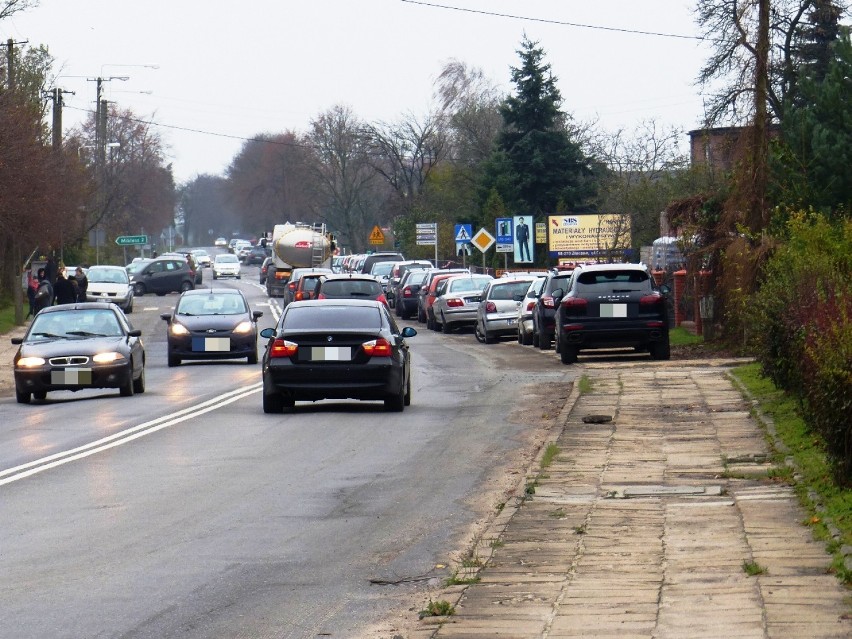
x: 803, y: 320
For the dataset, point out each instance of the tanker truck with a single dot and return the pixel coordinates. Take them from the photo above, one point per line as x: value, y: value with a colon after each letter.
x: 295, y: 246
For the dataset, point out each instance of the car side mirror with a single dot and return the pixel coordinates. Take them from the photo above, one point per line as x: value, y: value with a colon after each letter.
x: 166, y: 316
x: 408, y: 331
x: 665, y: 290
x: 17, y: 340
x: 136, y: 332
x: 257, y: 315
x: 267, y: 333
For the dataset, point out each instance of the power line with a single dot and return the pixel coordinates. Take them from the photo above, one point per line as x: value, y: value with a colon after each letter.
x: 557, y: 22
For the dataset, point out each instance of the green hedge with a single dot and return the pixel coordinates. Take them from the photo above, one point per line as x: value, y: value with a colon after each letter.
x: 802, y: 314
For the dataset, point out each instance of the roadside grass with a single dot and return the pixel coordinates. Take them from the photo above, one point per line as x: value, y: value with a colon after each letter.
x: 680, y: 336
x: 829, y: 505
x: 752, y: 568
x: 585, y: 384
x: 7, y: 316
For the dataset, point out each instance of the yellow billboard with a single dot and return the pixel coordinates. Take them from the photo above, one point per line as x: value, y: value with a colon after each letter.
x: 588, y: 235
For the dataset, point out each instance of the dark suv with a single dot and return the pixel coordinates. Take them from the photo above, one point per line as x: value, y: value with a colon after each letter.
x: 163, y: 275
x: 611, y: 306
x: 544, y: 311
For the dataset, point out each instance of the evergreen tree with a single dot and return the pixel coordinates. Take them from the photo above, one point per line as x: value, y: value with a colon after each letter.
x: 536, y: 163
x: 813, y: 39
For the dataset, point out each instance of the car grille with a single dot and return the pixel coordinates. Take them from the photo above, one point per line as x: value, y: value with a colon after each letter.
x: 71, y: 360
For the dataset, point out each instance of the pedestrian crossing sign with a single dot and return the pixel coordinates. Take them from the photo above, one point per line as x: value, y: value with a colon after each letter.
x: 463, y: 232
x: 377, y: 237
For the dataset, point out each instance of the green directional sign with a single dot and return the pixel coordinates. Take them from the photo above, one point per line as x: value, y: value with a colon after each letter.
x: 131, y: 240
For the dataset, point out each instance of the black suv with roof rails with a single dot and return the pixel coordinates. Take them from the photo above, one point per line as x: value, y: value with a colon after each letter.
x: 544, y: 310
x: 611, y: 306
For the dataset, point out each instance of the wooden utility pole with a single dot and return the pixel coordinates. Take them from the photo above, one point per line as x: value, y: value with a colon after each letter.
x: 758, y: 213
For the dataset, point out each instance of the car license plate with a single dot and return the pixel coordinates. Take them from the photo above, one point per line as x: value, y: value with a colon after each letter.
x: 331, y: 353
x: 72, y: 376
x: 211, y: 344
x: 613, y: 310
x: 512, y: 322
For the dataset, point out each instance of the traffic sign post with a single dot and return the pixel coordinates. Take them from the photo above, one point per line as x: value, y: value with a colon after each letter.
x: 377, y: 237
x: 131, y: 240
x: 483, y: 240
x: 427, y: 235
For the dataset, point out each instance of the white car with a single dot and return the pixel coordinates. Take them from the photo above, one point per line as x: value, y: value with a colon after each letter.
x: 457, y: 300
x: 110, y: 284
x: 497, y: 313
x: 202, y: 258
x: 226, y: 265
x: 525, y: 311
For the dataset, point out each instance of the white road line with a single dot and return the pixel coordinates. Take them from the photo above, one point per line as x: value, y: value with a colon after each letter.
x: 117, y: 439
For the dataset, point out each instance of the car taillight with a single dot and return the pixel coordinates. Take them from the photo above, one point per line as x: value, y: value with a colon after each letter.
x: 455, y: 302
x: 406, y: 292
x: 547, y: 302
x: 650, y: 300
x: 530, y: 306
x: 381, y: 298
x: 575, y: 303
x: 299, y: 296
x: 283, y: 348
x: 377, y: 348
x: 490, y: 307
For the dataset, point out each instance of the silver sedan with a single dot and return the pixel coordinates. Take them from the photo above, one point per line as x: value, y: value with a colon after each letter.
x: 456, y: 305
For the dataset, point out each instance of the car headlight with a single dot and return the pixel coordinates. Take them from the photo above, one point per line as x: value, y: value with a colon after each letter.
x: 178, y: 329
x: 107, y: 358
x: 30, y: 362
x: 243, y: 328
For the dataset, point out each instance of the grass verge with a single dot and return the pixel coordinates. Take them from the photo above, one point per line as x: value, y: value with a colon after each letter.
x: 7, y: 317
x: 829, y: 505
x: 682, y: 337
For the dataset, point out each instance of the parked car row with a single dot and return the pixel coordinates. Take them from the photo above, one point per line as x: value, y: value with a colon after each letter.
x: 593, y: 306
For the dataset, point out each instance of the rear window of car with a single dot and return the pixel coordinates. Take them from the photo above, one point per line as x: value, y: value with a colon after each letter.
x: 558, y: 281
x: 354, y: 288
x: 230, y: 258
x: 468, y: 284
x: 605, y: 281
x: 508, y: 291
x: 328, y: 316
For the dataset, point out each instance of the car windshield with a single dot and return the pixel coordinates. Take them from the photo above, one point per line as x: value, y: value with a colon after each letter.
x: 350, y: 287
x: 74, y: 324
x: 382, y: 268
x: 98, y: 275
x: 229, y: 258
x: 468, y: 284
x: 508, y: 291
x: 199, y: 253
x: 212, y: 304
x: 628, y: 280
x: 327, y: 317
x: 135, y: 267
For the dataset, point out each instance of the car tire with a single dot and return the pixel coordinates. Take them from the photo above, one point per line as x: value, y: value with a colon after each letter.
x: 407, y: 399
x: 568, y: 353
x: 40, y: 395
x: 174, y: 361
x: 139, y: 289
x: 477, y: 333
x: 239, y: 277
x: 252, y: 358
x: 430, y: 323
x: 544, y: 342
x: 215, y: 277
x: 273, y: 403
x: 526, y: 338
x: 446, y: 329
x: 489, y: 338
x: 396, y: 403
x: 661, y: 350
x: 139, y: 383
x: 186, y: 286
x: 23, y: 398
x: 520, y: 336
x: 128, y: 389
x: 129, y: 309
x: 421, y: 314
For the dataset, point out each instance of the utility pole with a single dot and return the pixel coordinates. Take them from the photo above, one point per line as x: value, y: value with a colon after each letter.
x: 56, y: 96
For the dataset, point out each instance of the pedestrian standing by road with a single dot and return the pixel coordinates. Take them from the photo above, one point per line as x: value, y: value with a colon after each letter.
x: 82, y: 284
x: 64, y: 288
x: 32, y: 287
x: 44, y: 293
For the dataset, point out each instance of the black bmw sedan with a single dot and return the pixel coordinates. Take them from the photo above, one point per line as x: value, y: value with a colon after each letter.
x: 336, y: 349
x: 212, y: 323
x: 72, y: 347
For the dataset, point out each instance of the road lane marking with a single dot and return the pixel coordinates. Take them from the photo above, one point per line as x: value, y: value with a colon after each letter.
x: 123, y: 437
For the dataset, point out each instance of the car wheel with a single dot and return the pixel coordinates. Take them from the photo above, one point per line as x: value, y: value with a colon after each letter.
x: 430, y: 322
x: 273, y: 403
x: 139, y: 384
x: 186, y: 286
x: 396, y: 403
x: 407, y: 400
x: 519, y: 336
x: 445, y: 327
x: 526, y: 338
x: 129, y: 387
x: 139, y: 289
x: 23, y: 398
x: 568, y: 353
x: 477, y: 332
x: 40, y: 395
x: 252, y: 358
x: 544, y: 341
x: 662, y: 349
x: 239, y: 277
x: 215, y: 277
x: 403, y: 312
x: 129, y: 309
x: 489, y: 338
x: 174, y: 361
x: 421, y: 315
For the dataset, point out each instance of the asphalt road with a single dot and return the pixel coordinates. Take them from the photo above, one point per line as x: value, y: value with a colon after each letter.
x: 186, y: 511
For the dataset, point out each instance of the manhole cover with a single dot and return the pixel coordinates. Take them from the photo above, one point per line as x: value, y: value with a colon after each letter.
x: 597, y: 419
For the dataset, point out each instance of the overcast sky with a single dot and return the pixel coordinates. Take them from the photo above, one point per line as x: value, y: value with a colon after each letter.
x: 229, y: 70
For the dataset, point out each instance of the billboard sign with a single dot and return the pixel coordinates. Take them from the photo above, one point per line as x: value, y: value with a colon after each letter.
x: 523, y: 241
x: 588, y: 236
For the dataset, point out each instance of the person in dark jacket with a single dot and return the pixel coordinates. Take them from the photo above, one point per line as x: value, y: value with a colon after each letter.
x: 64, y: 288
x: 44, y: 293
x: 32, y: 287
x: 82, y: 284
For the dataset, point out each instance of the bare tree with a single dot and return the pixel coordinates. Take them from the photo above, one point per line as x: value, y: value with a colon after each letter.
x: 348, y: 189
x: 11, y: 7
x: 405, y: 153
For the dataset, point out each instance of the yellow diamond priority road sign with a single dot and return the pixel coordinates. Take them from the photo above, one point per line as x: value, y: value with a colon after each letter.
x: 482, y: 240
x: 377, y: 237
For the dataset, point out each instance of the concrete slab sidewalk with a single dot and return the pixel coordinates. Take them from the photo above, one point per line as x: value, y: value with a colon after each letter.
x: 639, y: 530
